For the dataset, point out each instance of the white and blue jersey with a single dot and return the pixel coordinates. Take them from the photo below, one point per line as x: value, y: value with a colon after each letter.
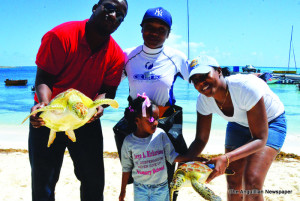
x: 154, y: 72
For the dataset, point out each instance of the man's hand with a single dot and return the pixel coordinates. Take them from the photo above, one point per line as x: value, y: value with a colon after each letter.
x: 35, y: 120
x: 97, y: 115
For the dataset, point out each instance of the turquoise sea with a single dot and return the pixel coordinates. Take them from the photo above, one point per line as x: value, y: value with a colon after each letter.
x: 16, y: 101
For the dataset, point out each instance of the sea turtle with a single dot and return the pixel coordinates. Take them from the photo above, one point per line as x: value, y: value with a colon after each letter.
x: 194, y: 173
x: 68, y: 111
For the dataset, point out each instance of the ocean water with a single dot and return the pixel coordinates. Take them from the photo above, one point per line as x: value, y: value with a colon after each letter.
x: 16, y: 101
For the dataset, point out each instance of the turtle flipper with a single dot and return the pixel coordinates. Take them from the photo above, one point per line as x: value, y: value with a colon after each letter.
x: 52, y: 137
x: 113, y: 103
x: 177, y: 182
x: 71, y: 135
x: 204, y: 191
x: 46, y: 108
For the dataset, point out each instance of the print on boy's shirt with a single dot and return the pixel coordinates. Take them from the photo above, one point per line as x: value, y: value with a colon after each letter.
x: 148, y: 154
x: 155, y: 163
x: 155, y: 170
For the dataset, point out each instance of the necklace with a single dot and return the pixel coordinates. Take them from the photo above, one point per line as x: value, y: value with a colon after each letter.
x: 221, y: 107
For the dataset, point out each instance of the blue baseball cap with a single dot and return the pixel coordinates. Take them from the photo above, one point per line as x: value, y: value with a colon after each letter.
x: 158, y: 13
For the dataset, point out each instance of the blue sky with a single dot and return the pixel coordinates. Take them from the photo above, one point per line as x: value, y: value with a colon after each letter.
x: 235, y: 32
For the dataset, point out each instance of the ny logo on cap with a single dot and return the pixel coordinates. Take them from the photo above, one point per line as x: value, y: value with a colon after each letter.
x: 158, y: 12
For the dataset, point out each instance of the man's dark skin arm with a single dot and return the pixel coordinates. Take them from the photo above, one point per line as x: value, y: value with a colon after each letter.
x: 43, y: 86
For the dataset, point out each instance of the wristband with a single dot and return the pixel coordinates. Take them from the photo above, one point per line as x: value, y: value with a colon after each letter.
x: 227, y: 160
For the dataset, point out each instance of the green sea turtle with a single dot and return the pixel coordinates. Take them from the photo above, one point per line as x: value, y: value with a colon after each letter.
x: 68, y: 111
x: 194, y: 173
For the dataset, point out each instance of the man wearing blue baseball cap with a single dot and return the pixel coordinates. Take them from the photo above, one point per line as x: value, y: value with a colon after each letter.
x: 153, y: 68
x: 156, y: 27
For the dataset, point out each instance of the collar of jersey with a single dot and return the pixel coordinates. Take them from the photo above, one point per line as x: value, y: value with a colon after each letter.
x: 150, y: 51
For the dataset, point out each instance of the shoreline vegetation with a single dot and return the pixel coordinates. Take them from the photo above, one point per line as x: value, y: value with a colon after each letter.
x: 9, y: 66
x: 282, y: 156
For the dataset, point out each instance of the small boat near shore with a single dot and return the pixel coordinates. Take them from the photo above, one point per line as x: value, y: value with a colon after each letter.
x: 285, y: 71
x: 249, y: 69
x: 9, y: 82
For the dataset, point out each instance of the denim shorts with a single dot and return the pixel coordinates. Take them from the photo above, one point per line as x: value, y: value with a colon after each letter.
x: 238, y: 135
x: 155, y: 192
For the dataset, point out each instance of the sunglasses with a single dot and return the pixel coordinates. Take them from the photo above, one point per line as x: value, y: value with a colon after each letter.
x: 110, y: 8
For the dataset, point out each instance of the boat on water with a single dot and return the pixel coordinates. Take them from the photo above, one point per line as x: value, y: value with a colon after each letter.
x: 273, y: 80
x: 288, y: 76
x: 9, y: 82
x: 291, y: 48
x: 249, y: 68
x: 285, y: 71
x: 269, y: 78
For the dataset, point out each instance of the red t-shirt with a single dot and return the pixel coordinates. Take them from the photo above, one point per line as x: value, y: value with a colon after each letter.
x: 65, y: 53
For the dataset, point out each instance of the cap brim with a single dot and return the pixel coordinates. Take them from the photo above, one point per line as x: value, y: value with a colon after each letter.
x: 156, y: 18
x: 202, y: 69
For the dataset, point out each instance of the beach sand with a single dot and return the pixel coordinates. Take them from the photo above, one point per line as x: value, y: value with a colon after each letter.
x: 15, y: 170
x: 15, y: 181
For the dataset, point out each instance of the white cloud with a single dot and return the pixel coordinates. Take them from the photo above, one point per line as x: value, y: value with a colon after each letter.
x: 176, y: 42
x: 197, y: 48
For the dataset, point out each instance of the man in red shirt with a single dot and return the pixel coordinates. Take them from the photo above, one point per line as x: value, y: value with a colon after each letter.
x: 80, y: 55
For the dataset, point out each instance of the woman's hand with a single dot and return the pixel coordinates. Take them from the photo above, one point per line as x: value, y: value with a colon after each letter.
x: 35, y: 120
x: 221, y: 163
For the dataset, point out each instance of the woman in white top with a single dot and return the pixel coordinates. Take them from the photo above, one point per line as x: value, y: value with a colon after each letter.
x: 255, y: 132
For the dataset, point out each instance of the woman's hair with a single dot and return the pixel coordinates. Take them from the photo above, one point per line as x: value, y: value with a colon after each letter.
x: 135, y: 110
x: 225, y: 71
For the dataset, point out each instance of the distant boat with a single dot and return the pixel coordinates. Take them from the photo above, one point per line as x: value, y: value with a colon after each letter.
x: 291, y: 47
x: 249, y: 68
x: 285, y: 71
x: 268, y: 78
x: 9, y: 82
x: 273, y: 80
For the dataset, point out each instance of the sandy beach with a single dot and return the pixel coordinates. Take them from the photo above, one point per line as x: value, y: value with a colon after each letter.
x: 282, y: 182
x: 283, y: 177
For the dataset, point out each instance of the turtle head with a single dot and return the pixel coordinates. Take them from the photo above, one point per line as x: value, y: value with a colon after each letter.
x: 80, y: 110
x: 179, y: 179
x: 76, y: 105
